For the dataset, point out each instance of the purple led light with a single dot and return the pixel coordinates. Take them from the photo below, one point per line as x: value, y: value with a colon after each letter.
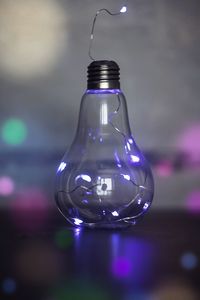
x: 84, y: 177
x: 146, y: 205
x: 61, y: 166
x: 130, y: 141
x: 106, y: 91
x: 126, y: 176
x: 134, y: 158
x: 77, y: 221
x: 115, y: 213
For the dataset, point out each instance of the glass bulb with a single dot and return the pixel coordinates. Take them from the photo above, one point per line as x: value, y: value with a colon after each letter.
x: 104, y: 179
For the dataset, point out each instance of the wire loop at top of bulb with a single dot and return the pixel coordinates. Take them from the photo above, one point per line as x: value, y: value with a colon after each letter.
x: 123, y: 10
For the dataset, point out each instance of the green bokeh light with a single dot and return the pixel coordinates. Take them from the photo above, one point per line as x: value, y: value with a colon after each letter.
x: 14, y: 131
x: 63, y: 238
x: 81, y: 290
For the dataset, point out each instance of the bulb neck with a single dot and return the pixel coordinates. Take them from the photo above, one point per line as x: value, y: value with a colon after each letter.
x: 102, y: 75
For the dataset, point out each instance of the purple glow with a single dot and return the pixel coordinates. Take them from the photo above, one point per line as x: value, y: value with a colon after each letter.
x: 77, y: 221
x: 133, y: 259
x: 61, y: 166
x: 77, y: 231
x: 193, y: 202
x: 135, y: 158
x: 119, y: 165
x: 6, y: 186
x: 123, y: 9
x: 139, y: 201
x: 115, y: 213
x: 84, y: 177
x: 106, y: 91
x: 121, y: 267
x: 85, y: 201
x: 101, y: 139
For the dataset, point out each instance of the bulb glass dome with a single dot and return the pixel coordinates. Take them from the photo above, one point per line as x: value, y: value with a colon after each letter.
x: 104, y: 179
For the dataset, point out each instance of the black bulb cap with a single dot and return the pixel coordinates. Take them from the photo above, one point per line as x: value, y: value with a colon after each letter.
x: 103, y: 74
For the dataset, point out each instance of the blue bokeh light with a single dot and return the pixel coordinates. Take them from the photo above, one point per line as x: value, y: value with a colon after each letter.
x: 9, y: 286
x: 189, y: 261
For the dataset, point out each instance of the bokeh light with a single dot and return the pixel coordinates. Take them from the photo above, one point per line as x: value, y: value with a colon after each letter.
x: 164, y: 168
x: 37, y: 262
x: 174, y: 289
x: 9, y: 286
x: 33, y: 34
x: 29, y: 210
x: 189, y: 261
x: 14, y: 131
x: 6, y: 186
x: 133, y: 260
x: 192, y: 202
x: 64, y: 238
x: 80, y: 289
x: 138, y: 295
x: 189, y: 143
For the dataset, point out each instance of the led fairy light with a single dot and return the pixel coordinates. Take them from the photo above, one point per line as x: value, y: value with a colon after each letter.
x: 104, y: 179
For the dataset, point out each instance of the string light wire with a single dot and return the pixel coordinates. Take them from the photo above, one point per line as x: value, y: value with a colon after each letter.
x: 122, y: 10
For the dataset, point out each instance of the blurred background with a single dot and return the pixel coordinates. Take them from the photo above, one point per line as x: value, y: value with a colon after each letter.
x: 43, y: 64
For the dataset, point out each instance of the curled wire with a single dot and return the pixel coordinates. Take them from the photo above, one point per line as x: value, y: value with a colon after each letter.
x: 123, y: 9
x: 112, y: 114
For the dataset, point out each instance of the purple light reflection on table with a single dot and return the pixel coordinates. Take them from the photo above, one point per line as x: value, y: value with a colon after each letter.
x: 133, y: 259
x: 121, y: 267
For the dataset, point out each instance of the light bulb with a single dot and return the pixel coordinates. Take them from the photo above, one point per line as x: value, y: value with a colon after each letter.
x: 104, y: 179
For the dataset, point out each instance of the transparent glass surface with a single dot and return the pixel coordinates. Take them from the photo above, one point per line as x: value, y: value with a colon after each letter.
x: 104, y: 179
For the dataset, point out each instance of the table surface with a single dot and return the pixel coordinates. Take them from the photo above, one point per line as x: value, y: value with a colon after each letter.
x: 159, y: 258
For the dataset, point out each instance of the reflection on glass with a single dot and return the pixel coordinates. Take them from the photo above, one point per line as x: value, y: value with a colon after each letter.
x: 104, y: 114
x: 104, y: 186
